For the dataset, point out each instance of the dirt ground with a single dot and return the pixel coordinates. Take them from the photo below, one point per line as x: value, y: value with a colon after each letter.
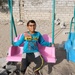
x: 61, y: 67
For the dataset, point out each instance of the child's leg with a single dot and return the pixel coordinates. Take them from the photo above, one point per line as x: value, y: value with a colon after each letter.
x: 39, y: 63
x: 24, y: 65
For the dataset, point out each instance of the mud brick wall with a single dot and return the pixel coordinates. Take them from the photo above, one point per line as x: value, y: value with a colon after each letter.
x: 41, y: 10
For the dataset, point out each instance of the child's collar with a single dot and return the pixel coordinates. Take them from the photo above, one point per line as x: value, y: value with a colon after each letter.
x: 31, y: 33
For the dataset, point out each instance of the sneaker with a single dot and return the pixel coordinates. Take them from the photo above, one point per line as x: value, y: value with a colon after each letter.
x: 37, y: 73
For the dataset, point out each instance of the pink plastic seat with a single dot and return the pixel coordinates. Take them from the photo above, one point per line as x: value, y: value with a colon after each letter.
x: 48, y: 53
x: 15, y: 52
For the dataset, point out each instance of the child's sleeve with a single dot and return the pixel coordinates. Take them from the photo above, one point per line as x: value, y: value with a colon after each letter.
x: 20, y: 41
x: 43, y: 42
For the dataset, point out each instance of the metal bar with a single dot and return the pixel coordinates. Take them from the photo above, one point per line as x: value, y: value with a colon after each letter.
x: 53, y: 20
x: 10, y: 2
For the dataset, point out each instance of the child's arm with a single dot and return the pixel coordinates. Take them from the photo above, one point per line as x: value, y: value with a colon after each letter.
x: 20, y: 41
x: 43, y: 42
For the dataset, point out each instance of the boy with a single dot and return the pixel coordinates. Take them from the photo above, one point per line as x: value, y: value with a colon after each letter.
x: 31, y: 38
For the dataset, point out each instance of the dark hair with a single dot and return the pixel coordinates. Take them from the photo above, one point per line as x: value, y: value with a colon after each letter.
x: 31, y: 21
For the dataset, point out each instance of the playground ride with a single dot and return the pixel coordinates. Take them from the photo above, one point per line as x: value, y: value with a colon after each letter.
x: 17, y: 37
x: 15, y: 53
x: 70, y: 43
x: 48, y: 53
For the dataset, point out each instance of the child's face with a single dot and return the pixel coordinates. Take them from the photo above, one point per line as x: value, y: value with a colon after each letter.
x: 31, y: 27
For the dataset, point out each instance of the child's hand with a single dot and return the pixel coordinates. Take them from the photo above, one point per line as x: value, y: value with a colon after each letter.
x: 52, y: 45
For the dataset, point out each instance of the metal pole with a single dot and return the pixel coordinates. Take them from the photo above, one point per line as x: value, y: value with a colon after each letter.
x: 11, y: 21
x: 53, y: 20
x: 74, y: 16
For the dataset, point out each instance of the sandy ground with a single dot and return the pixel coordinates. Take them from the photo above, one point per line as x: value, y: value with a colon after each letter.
x: 61, y: 67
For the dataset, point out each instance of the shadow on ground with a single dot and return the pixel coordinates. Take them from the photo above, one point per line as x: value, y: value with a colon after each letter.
x: 60, y: 56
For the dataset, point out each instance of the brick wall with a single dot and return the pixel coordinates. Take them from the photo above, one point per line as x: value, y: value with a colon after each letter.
x: 37, y: 9
x: 41, y: 10
x: 16, y: 10
x: 64, y: 9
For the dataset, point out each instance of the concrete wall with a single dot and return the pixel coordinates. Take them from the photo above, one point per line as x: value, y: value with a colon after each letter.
x: 41, y: 10
x: 64, y: 9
